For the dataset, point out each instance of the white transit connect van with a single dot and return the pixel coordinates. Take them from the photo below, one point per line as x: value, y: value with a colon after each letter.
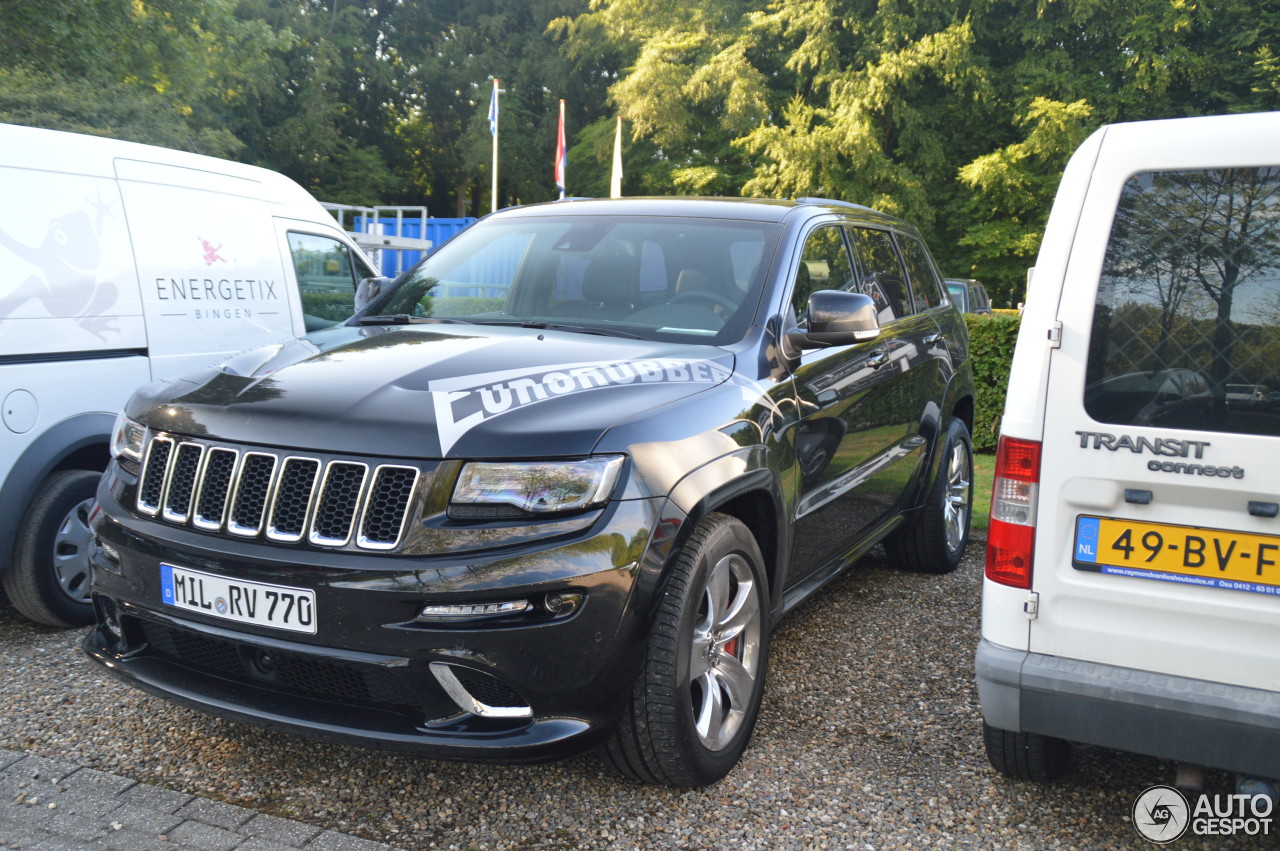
x: 122, y: 263
x: 1132, y: 592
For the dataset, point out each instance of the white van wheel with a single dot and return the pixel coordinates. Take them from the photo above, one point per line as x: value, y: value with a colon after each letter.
x: 935, y: 542
x: 48, y: 580
x: 1026, y: 756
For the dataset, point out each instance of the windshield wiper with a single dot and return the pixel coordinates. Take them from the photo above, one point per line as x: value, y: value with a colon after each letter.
x: 386, y: 319
x: 553, y: 326
x: 406, y: 319
x: 603, y: 332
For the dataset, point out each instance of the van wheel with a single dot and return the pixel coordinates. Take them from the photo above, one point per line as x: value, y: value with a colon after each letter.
x: 48, y: 580
x: 695, y: 701
x: 1026, y: 756
x: 935, y: 542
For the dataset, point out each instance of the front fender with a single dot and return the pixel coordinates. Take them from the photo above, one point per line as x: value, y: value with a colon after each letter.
x: 47, y: 453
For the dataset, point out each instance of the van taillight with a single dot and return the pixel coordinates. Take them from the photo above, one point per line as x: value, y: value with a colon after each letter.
x: 1011, y: 537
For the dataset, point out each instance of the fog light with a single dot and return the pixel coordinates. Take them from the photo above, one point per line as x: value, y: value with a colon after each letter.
x: 453, y: 612
x: 109, y: 617
x: 562, y: 604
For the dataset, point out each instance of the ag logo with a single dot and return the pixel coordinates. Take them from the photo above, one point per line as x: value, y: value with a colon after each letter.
x: 1161, y: 814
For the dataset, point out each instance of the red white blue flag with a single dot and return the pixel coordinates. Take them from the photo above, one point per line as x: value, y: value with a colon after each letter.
x: 562, y: 153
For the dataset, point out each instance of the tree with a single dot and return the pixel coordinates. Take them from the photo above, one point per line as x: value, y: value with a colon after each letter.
x: 63, y: 67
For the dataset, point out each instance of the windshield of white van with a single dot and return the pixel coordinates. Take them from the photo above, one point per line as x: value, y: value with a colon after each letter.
x: 1186, y: 333
x: 658, y: 278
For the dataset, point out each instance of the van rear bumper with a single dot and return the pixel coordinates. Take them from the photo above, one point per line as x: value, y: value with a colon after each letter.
x: 1230, y: 727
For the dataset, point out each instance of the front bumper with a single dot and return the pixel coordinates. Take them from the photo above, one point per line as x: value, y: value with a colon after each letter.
x: 1230, y: 727
x: 366, y: 676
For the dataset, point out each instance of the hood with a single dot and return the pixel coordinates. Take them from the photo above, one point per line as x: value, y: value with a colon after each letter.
x: 432, y: 391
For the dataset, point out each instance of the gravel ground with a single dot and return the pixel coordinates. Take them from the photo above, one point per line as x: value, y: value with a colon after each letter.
x: 870, y: 738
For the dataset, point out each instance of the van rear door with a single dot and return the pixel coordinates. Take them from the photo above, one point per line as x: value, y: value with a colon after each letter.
x: 1158, y: 540
x: 208, y: 263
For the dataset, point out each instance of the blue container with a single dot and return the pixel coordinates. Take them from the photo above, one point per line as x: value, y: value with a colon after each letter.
x: 437, y: 230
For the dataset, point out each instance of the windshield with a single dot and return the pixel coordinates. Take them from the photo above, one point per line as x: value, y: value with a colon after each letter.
x: 653, y: 277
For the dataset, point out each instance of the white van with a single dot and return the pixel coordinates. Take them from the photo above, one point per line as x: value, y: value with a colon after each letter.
x: 119, y: 264
x: 1132, y: 592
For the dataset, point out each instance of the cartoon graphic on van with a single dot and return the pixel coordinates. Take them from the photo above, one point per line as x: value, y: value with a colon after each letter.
x: 70, y: 255
x: 211, y: 255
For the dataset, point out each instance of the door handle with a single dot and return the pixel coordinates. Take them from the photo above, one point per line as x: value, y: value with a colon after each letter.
x: 877, y: 359
x: 930, y: 339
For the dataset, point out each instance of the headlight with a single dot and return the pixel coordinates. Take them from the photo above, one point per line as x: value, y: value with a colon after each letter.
x: 537, y: 487
x: 126, y: 438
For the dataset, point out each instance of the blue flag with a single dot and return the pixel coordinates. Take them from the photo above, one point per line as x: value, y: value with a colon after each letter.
x: 493, y: 110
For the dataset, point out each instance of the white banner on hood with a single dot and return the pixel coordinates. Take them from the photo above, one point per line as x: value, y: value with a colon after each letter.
x: 465, y: 402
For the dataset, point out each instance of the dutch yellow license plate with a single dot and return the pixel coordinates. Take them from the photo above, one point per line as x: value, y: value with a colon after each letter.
x: 1215, y: 558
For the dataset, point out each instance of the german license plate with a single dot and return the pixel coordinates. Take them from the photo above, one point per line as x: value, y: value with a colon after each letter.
x: 1215, y: 558
x: 258, y: 603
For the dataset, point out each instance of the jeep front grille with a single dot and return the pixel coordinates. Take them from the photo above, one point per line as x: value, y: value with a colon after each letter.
x: 255, y: 493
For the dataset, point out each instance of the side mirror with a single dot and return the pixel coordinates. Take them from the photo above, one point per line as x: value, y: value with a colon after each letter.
x: 836, y: 318
x: 368, y: 290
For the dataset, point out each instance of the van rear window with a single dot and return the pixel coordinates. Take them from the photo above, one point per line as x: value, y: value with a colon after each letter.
x: 1186, y: 333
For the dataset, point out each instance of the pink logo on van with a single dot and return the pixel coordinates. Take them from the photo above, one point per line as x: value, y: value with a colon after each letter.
x: 210, y: 252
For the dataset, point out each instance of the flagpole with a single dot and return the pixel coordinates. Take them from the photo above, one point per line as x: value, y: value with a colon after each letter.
x: 493, y: 128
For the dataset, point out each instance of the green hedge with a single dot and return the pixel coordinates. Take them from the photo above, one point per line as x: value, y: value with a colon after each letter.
x: 991, y: 340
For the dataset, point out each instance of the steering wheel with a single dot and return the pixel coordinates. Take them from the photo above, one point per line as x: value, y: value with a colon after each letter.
x: 704, y: 296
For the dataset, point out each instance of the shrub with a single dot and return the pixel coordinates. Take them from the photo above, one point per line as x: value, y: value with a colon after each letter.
x: 991, y: 341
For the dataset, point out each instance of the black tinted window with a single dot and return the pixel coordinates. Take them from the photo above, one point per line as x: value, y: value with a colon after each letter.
x: 882, y: 275
x: 1185, y: 330
x: 924, y: 280
x: 824, y: 265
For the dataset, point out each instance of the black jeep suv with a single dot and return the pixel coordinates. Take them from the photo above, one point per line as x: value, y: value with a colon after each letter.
x: 550, y: 489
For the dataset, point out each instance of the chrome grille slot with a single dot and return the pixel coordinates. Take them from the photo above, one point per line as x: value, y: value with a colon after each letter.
x: 291, y: 504
x: 215, y: 485
x: 285, y: 499
x: 252, y: 489
x: 154, y: 474
x: 336, y: 507
x: 182, y: 482
x: 387, y: 507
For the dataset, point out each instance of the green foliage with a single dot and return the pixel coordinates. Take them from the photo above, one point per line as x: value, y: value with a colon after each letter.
x: 991, y: 341
x: 957, y: 114
x: 115, y: 110
x: 334, y: 306
x: 466, y: 305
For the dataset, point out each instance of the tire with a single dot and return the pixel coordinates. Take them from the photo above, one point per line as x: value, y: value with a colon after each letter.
x: 695, y: 701
x: 1026, y: 756
x: 935, y: 542
x: 48, y: 579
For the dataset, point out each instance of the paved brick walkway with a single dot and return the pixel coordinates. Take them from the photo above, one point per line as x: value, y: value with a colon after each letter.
x: 50, y: 805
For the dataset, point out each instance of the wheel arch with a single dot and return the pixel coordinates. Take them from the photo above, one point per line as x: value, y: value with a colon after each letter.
x: 82, y: 442
x: 752, y: 496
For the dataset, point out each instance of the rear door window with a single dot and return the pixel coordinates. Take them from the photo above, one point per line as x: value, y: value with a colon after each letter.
x: 1186, y: 330
x: 883, y: 277
x: 925, y: 286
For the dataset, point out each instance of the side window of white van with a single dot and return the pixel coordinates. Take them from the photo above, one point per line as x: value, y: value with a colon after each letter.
x: 326, y: 278
x: 1186, y: 331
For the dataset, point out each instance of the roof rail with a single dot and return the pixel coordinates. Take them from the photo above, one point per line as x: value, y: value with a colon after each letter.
x: 834, y: 203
